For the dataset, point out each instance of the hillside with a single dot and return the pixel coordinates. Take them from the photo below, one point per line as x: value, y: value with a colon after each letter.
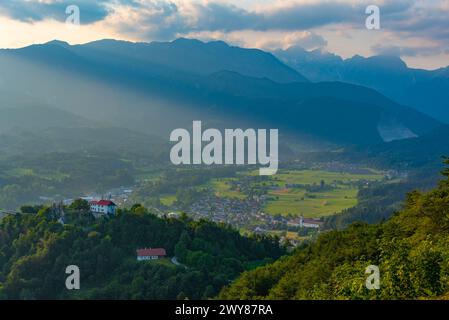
x: 35, y: 250
x: 411, y: 251
x: 416, y: 153
x: 34, y: 117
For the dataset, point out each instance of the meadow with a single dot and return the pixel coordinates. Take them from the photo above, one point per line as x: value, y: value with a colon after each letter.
x: 288, y: 194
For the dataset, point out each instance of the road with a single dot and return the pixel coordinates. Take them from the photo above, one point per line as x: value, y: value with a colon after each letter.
x: 175, y: 261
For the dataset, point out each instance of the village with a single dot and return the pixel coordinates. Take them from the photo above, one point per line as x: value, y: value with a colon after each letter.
x: 246, y: 215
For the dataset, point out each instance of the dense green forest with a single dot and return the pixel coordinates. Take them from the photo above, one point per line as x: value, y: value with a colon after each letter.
x: 411, y: 250
x: 35, y: 250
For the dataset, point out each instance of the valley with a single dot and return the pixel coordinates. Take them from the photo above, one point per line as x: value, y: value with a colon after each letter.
x: 258, y: 204
x: 350, y: 158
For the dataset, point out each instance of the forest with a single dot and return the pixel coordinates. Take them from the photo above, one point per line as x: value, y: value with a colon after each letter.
x: 35, y: 250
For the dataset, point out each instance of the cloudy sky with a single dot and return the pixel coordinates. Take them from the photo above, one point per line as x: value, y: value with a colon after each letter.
x: 416, y: 30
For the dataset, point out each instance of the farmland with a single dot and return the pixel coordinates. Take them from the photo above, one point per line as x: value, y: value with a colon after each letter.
x: 312, y: 193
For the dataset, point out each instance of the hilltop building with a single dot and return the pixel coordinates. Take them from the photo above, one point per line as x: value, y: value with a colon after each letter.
x: 150, y: 254
x: 103, y: 207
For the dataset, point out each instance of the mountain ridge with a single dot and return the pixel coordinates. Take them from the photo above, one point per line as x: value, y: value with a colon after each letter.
x: 129, y: 88
x: 425, y: 90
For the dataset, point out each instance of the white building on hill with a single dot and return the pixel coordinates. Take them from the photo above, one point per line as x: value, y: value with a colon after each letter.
x: 103, y: 207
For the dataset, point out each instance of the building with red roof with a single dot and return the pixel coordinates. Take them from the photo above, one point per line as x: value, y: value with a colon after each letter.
x: 103, y: 207
x: 310, y: 223
x: 151, y: 254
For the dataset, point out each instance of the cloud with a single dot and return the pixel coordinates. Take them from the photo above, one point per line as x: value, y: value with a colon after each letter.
x: 428, y: 19
x: 168, y: 19
x: 176, y: 16
x: 406, y: 51
x: 165, y: 18
x: 38, y: 10
x: 304, y: 39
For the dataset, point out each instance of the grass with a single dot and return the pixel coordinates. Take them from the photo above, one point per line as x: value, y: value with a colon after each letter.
x: 296, y: 201
x: 21, y: 172
x: 315, y: 176
x: 168, y: 200
x: 223, y: 189
x: 289, y: 235
x: 24, y: 172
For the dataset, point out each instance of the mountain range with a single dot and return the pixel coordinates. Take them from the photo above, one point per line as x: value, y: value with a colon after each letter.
x: 425, y: 90
x: 157, y: 87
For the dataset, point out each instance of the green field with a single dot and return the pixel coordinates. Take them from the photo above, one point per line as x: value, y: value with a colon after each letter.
x: 315, y: 176
x: 168, y: 200
x: 297, y: 201
x: 23, y: 172
x: 222, y: 188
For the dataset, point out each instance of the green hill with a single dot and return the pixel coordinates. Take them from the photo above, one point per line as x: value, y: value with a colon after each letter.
x: 35, y: 250
x: 411, y: 251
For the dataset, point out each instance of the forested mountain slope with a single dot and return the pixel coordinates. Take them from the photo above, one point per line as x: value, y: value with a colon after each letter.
x: 35, y: 250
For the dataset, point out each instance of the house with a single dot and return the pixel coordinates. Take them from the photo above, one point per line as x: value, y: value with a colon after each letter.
x: 295, y: 223
x: 310, y: 223
x: 103, y: 207
x: 150, y: 254
x: 173, y: 215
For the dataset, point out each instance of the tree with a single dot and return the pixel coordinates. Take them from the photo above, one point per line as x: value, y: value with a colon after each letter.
x: 80, y: 205
x: 31, y: 209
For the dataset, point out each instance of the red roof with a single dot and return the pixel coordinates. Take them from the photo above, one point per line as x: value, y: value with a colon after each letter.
x: 106, y: 203
x: 160, y: 252
x: 312, y: 221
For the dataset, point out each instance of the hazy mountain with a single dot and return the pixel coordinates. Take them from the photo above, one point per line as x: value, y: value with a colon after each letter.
x: 427, y: 91
x: 37, y: 118
x: 157, y: 87
x: 187, y: 55
x: 331, y: 110
x: 98, y: 139
x: 196, y: 57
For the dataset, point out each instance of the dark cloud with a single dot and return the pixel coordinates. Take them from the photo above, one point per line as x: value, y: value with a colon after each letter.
x: 157, y: 20
x: 31, y: 11
x: 164, y: 19
x: 296, y: 16
x: 431, y: 22
x: 222, y: 17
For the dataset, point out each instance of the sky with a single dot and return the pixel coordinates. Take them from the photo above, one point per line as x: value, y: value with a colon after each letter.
x: 415, y: 30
